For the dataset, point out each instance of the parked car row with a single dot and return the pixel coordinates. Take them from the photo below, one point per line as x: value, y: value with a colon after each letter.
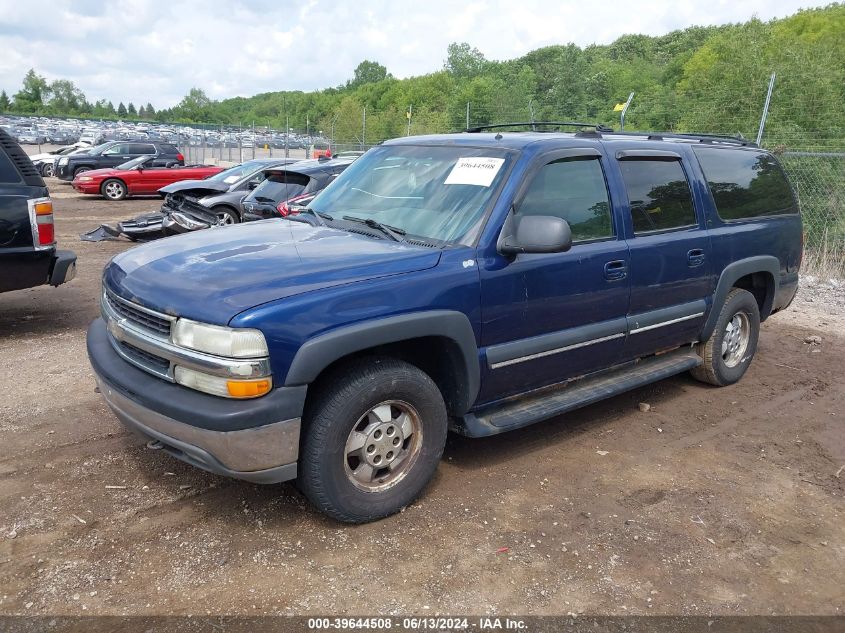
x: 41, y: 130
x: 254, y: 190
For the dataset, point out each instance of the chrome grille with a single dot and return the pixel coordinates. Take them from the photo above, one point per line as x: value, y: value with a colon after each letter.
x: 138, y: 315
x: 145, y: 359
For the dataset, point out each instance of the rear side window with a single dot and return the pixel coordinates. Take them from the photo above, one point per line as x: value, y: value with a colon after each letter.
x: 169, y: 149
x: 280, y: 187
x: 141, y: 148
x: 573, y: 190
x: 8, y: 174
x: 659, y: 195
x: 745, y: 183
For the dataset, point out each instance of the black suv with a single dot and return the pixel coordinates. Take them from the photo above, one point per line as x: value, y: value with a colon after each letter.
x: 115, y: 153
x: 287, y: 183
x: 28, y: 255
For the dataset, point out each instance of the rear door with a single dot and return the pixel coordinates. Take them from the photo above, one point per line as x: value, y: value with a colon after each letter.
x: 115, y: 155
x: 671, y: 266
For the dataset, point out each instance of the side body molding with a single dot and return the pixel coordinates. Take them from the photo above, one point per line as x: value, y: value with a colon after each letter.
x: 759, y: 264
x: 321, y: 351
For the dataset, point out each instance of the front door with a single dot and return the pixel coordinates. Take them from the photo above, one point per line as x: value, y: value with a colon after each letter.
x: 550, y: 317
x: 671, y: 267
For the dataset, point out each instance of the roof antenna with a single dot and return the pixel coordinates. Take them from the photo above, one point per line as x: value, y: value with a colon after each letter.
x: 498, y: 136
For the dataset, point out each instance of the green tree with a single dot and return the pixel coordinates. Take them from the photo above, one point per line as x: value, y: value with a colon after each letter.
x: 66, y: 98
x: 195, y: 107
x: 464, y: 61
x: 33, y: 94
x: 4, y: 101
x: 121, y: 110
x: 368, y: 72
x: 131, y: 111
x: 150, y: 110
x: 142, y: 113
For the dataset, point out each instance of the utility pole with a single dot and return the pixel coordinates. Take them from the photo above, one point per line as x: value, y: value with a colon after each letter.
x: 410, y: 112
x: 364, y: 129
x: 766, y: 109
x: 467, y: 114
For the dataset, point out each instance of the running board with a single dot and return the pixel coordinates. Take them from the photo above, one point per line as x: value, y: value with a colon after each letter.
x: 548, y: 403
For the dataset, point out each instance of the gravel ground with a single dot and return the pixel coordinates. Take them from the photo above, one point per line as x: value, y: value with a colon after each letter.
x: 714, y: 501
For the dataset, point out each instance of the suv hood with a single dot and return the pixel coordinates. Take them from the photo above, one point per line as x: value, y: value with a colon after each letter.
x: 213, y: 275
x: 197, y: 187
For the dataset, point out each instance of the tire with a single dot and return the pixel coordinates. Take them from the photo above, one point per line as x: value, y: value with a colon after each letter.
x: 113, y: 189
x: 48, y: 170
x: 729, y: 350
x: 226, y: 215
x: 79, y: 170
x: 360, y: 414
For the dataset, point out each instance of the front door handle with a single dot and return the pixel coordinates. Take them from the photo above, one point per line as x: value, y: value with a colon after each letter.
x: 615, y: 270
x: 695, y: 257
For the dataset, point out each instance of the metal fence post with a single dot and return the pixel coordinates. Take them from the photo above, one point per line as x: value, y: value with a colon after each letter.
x: 765, y: 109
x: 203, y: 148
x: 364, y: 129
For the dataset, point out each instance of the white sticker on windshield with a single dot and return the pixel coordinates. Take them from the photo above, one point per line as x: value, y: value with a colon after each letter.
x: 230, y: 179
x: 474, y: 170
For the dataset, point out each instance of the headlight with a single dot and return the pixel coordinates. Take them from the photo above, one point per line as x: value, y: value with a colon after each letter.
x: 63, y: 160
x: 223, y: 387
x: 85, y: 179
x: 220, y: 341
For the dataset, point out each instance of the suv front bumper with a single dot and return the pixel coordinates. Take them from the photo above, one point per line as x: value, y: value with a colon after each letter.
x: 256, y: 440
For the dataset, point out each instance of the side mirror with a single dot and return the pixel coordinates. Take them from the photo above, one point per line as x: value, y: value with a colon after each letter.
x: 252, y: 184
x: 535, y: 234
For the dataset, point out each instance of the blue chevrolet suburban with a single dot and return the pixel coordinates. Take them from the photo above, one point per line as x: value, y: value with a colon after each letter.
x: 477, y: 282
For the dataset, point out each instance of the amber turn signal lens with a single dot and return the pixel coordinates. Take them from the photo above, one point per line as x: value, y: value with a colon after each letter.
x: 43, y: 208
x: 248, y: 388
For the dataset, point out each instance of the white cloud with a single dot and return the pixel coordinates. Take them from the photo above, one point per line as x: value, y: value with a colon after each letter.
x: 154, y: 51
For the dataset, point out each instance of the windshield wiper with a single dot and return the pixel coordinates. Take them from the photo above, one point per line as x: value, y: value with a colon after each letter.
x: 393, y: 232
x: 321, y: 217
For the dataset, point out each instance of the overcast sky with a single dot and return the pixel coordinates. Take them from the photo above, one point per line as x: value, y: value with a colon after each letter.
x: 153, y: 51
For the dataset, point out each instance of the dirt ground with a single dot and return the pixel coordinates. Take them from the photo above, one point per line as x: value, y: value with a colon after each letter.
x: 715, y: 501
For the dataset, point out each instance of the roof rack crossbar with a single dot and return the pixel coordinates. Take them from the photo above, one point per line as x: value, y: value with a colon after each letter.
x: 534, y: 124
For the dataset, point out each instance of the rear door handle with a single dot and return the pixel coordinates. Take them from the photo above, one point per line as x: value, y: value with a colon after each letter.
x: 617, y: 269
x: 695, y: 257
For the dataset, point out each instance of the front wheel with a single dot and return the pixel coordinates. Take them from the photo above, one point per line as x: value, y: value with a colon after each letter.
x: 113, y: 189
x: 729, y: 350
x: 47, y: 170
x: 373, y: 437
x: 226, y: 216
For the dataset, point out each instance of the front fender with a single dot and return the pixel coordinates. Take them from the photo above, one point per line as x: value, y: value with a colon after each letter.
x: 321, y: 351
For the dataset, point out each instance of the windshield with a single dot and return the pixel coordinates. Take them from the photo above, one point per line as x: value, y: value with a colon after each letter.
x: 279, y: 187
x: 238, y: 172
x: 100, y: 148
x: 132, y: 164
x: 433, y: 192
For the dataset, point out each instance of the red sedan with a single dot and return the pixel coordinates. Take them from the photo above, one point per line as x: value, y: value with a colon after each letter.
x: 138, y: 177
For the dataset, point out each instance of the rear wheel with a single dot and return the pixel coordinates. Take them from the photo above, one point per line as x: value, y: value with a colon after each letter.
x: 729, y: 350
x: 372, y: 439
x: 113, y: 189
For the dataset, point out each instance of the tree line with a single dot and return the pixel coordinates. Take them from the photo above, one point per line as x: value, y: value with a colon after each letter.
x: 710, y: 78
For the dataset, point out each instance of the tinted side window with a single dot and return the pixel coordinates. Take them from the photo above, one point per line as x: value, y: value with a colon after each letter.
x: 169, y: 149
x: 573, y: 190
x: 8, y: 174
x: 659, y: 194
x: 139, y: 148
x: 745, y: 184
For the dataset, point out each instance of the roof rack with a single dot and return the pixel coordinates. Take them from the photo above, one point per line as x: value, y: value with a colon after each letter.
x: 598, y: 127
x: 597, y: 130
x: 680, y: 136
